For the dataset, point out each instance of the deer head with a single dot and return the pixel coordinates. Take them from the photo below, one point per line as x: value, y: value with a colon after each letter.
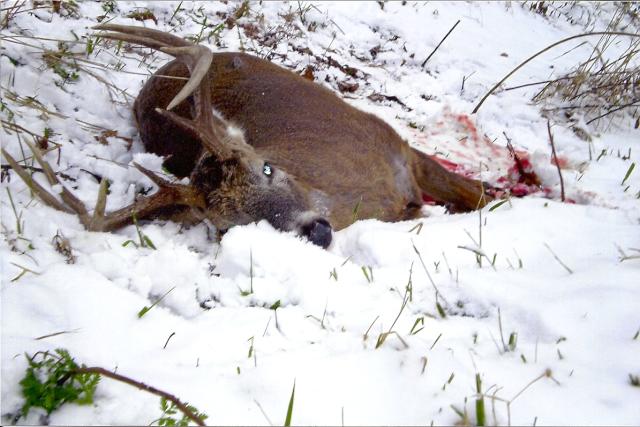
x: 238, y: 186
x: 230, y: 185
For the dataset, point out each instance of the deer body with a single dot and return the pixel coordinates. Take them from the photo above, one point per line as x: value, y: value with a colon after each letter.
x: 260, y: 142
x: 345, y: 157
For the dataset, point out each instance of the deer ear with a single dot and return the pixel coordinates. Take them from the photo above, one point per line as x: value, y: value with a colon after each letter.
x: 209, y: 172
x: 235, y: 140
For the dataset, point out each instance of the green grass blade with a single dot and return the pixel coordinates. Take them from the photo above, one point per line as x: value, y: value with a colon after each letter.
x: 287, y: 421
x: 628, y: 174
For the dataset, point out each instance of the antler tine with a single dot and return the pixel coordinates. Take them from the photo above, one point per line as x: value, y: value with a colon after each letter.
x: 131, y: 38
x: 202, y: 58
x: 210, y: 130
x: 197, y: 58
x: 147, y: 33
x: 168, y: 195
x: 37, y: 189
x: 74, y: 203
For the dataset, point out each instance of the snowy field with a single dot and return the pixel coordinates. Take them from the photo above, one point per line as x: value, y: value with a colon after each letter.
x: 549, y: 320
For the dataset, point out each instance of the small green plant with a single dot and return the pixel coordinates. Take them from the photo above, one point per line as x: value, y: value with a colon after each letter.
x: 513, y: 337
x: 451, y: 377
x: 207, y: 29
x: 368, y: 275
x: 419, y: 322
x: 275, y: 306
x: 24, y: 271
x: 513, y: 341
x: 480, y: 412
x: 19, y: 221
x: 145, y: 241
x: 143, y: 15
x: 170, y: 409
x: 53, y: 379
x: 417, y: 228
x: 48, y: 384
x: 628, y: 174
x: 175, y: 12
x: 497, y: 205
x: 250, y: 291
x: 62, y: 63
x: 462, y: 413
x: 145, y: 309
x: 435, y: 341
x: 440, y: 309
x: 356, y: 208
x: 405, y: 299
x: 110, y: 6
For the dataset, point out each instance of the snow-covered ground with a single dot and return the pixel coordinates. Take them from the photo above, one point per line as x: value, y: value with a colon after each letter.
x: 557, y: 281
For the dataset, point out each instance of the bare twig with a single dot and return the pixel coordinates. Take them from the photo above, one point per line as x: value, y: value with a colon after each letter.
x: 438, y: 293
x: 139, y: 385
x: 559, y: 260
x: 613, y: 110
x: 536, y: 83
x: 441, y: 41
x: 167, y: 342
x: 555, y: 159
x: 35, y: 169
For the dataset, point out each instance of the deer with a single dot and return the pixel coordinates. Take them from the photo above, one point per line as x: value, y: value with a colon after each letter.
x: 260, y: 142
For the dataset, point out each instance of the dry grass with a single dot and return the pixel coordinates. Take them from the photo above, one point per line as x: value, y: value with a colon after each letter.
x: 603, y: 88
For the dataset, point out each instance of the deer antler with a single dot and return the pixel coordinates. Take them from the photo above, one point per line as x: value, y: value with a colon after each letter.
x: 208, y: 128
x: 168, y: 195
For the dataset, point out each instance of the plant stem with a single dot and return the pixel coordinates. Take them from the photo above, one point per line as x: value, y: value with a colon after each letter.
x: 137, y: 384
x: 555, y: 159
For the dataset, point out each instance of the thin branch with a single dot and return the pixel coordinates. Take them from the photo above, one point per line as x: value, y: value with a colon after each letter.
x: 555, y: 159
x: 441, y: 41
x: 139, y: 385
x: 632, y: 104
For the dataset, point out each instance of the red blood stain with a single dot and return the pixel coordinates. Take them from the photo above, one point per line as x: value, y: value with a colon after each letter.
x: 466, y: 121
x: 563, y: 162
x: 520, y: 179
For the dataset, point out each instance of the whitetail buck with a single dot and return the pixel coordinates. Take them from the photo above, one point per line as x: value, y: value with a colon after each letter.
x: 260, y: 142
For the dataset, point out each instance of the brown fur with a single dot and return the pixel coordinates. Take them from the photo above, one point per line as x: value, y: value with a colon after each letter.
x: 351, y: 157
x: 304, y: 160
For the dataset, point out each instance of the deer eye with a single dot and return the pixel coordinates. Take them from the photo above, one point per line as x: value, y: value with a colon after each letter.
x: 267, y: 169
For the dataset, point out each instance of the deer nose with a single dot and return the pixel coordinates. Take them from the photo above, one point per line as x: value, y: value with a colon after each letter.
x: 318, y: 232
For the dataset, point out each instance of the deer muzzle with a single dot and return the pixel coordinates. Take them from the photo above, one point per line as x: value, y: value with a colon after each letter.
x: 318, y: 231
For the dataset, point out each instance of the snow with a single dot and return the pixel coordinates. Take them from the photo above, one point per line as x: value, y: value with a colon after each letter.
x: 575, y: 322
